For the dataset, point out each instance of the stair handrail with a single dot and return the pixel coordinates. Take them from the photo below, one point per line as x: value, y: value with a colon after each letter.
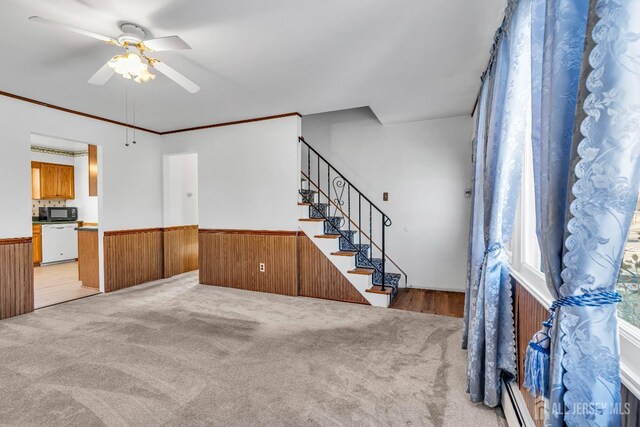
x: 300, y: 138
x: 386, y: 221
x: 404, y: 273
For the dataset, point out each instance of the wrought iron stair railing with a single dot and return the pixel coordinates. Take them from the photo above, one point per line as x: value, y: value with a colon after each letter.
x: 347, y: 212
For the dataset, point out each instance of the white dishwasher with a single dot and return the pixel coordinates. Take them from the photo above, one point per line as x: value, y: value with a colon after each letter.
x: 59, y: 242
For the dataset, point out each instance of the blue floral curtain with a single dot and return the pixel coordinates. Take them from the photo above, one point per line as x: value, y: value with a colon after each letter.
x: 558, y: 29
x: 476, y: 240
x: 489, y: 335
x: 586, y: 142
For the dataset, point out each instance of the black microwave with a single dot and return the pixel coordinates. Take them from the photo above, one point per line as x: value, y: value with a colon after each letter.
x: 58, y: 214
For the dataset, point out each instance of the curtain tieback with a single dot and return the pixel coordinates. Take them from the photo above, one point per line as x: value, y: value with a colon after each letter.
x: 536, y: 373
x: 594, y: 299
x: 493, y: 248
x: 490, y: 249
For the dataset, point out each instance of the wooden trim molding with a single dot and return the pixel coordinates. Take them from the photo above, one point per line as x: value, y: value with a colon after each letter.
x: 237, y: 122
x: 115, y: 122
x: 132, y: 231
x: 251, y: 232
x: 15, y: 240
x: 70, y: 111
x: 181, y: 227
x: 146, y: 230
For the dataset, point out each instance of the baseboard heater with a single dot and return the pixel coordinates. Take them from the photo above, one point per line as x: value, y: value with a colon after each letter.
x: 515, y: 410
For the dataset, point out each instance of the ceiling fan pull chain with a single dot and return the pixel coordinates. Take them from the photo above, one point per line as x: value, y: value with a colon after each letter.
x: 126, y: 115
x: 133, y: 95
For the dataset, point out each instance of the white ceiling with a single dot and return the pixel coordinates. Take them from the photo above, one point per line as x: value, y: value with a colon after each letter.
x: 407, y: 59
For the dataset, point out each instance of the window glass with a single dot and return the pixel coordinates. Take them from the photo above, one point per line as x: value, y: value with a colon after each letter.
x: 531, y: 248
x: 629, y: 275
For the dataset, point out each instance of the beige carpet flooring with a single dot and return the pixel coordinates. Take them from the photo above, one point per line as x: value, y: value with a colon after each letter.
x: 177, y: 353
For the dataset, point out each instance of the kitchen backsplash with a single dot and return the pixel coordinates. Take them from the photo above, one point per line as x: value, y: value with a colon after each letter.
x: 46, y: 204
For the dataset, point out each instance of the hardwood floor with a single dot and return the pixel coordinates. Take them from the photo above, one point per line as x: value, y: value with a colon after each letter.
x: 428, y: 301
x: 58, y: 283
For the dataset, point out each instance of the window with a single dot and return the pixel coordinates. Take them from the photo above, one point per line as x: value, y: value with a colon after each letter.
x: 526, y: 268
x: 629, y: 275
x: 526, y: 258
x: 531, y: 256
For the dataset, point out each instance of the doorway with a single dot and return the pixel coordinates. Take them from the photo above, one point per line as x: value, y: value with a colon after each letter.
x: 180, y: 205
x: 64, y: 210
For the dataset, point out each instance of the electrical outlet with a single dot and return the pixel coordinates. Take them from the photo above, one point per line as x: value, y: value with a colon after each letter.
x: 385, y: 196
x: 262, y: 267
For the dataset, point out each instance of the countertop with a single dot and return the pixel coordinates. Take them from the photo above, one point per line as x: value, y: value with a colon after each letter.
x: 90, y: 228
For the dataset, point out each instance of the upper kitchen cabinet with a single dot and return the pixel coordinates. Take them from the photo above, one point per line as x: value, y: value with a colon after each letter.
x: 52, y: 181
x: 93, y: 170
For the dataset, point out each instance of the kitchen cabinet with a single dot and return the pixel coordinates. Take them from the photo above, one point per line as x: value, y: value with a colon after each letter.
x: 37, y: 244
x: 93, y: 170
x: 52, y: 181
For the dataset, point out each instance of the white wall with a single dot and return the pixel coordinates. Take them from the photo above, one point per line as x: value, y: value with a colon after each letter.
x: 425, y: 167
x: 87, y: 205
x: 131, y: 189
x: 248, y: 173
x: 52, y: 158
x: 180, y: 195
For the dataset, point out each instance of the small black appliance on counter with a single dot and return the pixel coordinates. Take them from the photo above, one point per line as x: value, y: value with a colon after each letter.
x: 58, y: 214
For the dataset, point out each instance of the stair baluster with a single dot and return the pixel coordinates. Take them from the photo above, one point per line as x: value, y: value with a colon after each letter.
x: 334, y: 222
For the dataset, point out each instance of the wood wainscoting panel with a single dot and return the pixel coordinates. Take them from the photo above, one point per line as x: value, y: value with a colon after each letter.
x: 132, y: 257
x: 232, y: 258
x: 528, y: 316
x: 319, y: 278
x: 180, y: 249
x: 16, y: 277
x: 88, y: 259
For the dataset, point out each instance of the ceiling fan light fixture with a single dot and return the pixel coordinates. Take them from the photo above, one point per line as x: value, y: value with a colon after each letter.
x: 144, y: 77
x: 129, y: 65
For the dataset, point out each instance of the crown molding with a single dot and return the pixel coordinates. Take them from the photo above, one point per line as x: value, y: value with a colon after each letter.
x: 115, y: 122
x: 237, y: 122
x: 70, y: 111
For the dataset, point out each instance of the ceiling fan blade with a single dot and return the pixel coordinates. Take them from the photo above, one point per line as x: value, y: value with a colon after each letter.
x: 102, y: 75
x: 166, y: 43
x: 73, y: 29
x: 176, y: 76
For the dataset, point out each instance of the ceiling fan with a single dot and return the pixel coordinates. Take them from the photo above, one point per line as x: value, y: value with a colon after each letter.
x: 135, y: 62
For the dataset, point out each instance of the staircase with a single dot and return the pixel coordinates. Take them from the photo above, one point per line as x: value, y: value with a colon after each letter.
x: 347, y: 227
